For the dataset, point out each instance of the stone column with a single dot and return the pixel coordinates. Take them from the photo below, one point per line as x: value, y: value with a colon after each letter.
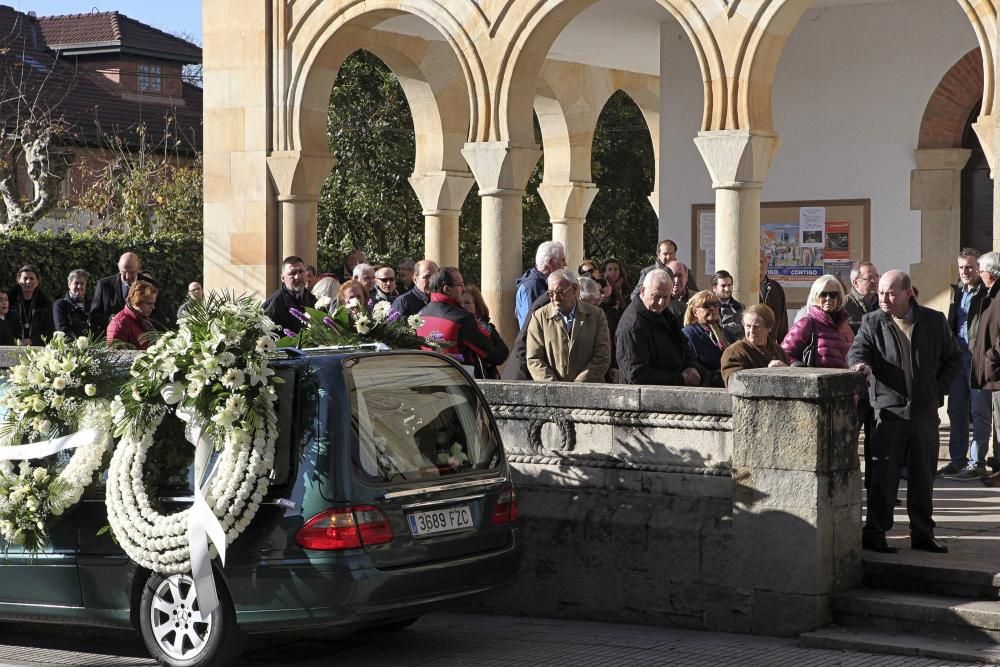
x: 936, y: 191
x: 986, y: 129
x: 502, y: 172
x: 567, y: 204
x: 738, y: 161
x: 441, y: 195
x: 796, y: 494
x: 298, y: 178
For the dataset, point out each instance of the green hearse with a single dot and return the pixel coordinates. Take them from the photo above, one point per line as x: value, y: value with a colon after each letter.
x: 389, y: 497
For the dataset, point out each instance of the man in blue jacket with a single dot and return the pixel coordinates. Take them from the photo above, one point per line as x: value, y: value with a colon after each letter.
x: 910, y: 359
x: 550, y: 256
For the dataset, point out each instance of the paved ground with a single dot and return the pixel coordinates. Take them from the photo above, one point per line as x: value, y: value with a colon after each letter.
x: 444, y: 640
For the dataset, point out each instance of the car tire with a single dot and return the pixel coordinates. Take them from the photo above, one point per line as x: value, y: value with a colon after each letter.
x: 173, y: 632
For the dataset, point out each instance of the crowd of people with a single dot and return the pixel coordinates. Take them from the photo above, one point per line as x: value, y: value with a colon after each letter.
x: 591, y: 325
x: 121, y: 308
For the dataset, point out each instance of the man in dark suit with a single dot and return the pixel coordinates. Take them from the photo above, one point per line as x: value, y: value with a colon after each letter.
x: 110, y: 292
x: 910, y: 358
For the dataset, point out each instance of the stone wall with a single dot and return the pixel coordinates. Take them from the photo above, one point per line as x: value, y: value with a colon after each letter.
x: 686, y: 507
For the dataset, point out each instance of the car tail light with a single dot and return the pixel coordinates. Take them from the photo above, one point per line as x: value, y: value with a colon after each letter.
x: 505, y: 510
x: 345, y: 528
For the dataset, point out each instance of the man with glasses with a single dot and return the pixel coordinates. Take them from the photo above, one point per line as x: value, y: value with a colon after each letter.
x: 568, y: 340
x: 649, y: 344
x: 863, y: 295
x: 404, y: 274
x: 445, y: 320
x: 964, y: 400
x: 385, y: 285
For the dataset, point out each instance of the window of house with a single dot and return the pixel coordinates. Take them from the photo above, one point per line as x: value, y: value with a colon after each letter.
x: 150, y: 79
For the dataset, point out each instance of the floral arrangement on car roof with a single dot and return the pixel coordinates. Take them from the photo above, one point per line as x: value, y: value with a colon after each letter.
x: 56, y: 401
x: 352, y: 324
x: 213, y: 373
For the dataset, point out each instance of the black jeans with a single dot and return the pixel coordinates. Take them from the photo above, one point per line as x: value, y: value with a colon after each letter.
x: 893, y: 442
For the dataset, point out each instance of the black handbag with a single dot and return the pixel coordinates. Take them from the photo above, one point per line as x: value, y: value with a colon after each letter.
x: 809, y: 351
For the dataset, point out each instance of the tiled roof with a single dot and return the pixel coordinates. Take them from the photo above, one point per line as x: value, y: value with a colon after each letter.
x: 64, y: 85
x: 85, y: 32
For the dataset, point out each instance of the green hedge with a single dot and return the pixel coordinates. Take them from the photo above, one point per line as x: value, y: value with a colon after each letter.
x: 174, y: 261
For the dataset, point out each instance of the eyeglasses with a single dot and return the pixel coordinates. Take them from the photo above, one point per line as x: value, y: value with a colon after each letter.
x: 558, y: 293
x: 385, y: 278
x: 829, y: 295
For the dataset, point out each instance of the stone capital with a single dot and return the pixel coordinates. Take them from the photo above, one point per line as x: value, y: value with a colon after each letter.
x: 500, y: 168
x: 442, y: 190
x: 567, y: 201
x: 299, y: 176
x: 737, y: 159
x: 951, y: 159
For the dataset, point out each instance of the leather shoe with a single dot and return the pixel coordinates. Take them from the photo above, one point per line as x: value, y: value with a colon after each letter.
x: 929, y: 544
x: 879, y: 545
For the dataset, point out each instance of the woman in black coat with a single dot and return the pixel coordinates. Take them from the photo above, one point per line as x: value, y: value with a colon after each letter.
x: 31, y: 306
x: 472, y: 301
x: 71, y: 313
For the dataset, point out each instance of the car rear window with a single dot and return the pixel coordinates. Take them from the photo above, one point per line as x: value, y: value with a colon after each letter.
x: 416, y: 417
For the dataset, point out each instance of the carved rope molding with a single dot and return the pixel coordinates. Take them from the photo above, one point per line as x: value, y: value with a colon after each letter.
x: 597, y: 461
x: 614, y: 417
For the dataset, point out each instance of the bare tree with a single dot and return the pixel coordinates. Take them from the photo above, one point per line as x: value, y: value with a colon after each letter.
x: 30, y: 133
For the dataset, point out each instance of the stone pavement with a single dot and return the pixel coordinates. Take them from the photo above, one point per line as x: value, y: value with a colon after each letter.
x: 446, y: 639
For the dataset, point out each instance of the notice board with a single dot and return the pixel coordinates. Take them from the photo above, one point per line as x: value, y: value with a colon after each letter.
x: 802, y: 241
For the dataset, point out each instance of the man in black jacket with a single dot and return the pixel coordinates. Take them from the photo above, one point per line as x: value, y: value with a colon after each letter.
x: 110, y: 292
x: 910, y: 359
x: 413, y: 301
x: 291, y: 294
x: 650, y: 346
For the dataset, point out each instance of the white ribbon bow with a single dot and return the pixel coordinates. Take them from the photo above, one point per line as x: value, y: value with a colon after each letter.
x: 43, y: 448
x: 203, y: 525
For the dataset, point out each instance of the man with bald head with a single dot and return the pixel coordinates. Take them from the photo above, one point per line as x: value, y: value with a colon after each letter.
x: 650, y: 346
x: 910, y: 359
x: 110, y: 292
x: 681, y: 291
x: 418, y: 296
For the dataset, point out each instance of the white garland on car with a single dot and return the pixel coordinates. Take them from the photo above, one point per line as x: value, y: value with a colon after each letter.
x: 55, y: 394
x: 213, y: 373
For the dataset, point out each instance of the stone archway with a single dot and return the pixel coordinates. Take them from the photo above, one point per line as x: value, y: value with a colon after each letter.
x: 936, y: 183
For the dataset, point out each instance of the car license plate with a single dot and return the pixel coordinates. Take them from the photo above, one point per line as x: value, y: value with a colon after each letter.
x: 441, y: 521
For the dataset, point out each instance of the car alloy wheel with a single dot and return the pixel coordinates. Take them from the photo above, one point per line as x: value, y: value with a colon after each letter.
x: 173, y: 629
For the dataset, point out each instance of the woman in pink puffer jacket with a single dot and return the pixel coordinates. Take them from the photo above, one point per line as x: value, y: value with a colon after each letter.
x: 827, y: 321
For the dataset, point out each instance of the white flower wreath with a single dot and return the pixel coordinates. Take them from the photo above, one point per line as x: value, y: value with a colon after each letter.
x: 55, y: 395
x: 214, y: 374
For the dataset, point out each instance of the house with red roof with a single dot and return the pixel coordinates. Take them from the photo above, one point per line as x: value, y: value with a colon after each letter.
x: 111, y: 80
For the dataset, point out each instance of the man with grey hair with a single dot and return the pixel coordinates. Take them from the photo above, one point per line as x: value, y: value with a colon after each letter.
x: 590, y: 291
x: 862, y: 298
x: 568, y: 340
x: 650, y: 346
x: 910, y: 360
x: 550, y: 256
x: 680, y: 292
x: 71, y: 313
x: 986, y: 355
x: 365, y: 274
x: 964, y: 400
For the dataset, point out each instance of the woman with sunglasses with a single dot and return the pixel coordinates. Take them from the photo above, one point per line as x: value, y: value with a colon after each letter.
x: 824, y: 330
x: 705, y: 335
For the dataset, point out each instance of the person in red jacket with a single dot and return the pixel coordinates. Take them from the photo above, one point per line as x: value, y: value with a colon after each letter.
x: 132, y: 322
x: 445, y: 319
x: 825, y: 327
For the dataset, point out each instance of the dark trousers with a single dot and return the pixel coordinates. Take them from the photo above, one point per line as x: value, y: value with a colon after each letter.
x: 866, y: 415
x: 895, y: 441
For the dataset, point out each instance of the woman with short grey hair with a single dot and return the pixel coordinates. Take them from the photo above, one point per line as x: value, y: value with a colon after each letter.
x: 71, y: 313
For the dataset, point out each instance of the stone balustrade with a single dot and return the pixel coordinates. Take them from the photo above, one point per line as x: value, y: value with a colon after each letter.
x: 701, y: 508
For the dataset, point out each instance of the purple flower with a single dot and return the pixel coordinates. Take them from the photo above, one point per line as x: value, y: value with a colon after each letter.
x: 457, y: 357
x: 393, y: 316
x: 299, y: 315
x: 290, y: 333
x: 329, y: 322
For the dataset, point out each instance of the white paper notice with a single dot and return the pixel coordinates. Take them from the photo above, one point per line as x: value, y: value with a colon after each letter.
x: 812, y: 227
x: 706, y: 232
x: 710, y: 262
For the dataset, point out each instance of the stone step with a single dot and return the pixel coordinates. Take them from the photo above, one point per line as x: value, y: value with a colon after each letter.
x: 942, y: 617
x: 959, y: 574
x: 873, y: 641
